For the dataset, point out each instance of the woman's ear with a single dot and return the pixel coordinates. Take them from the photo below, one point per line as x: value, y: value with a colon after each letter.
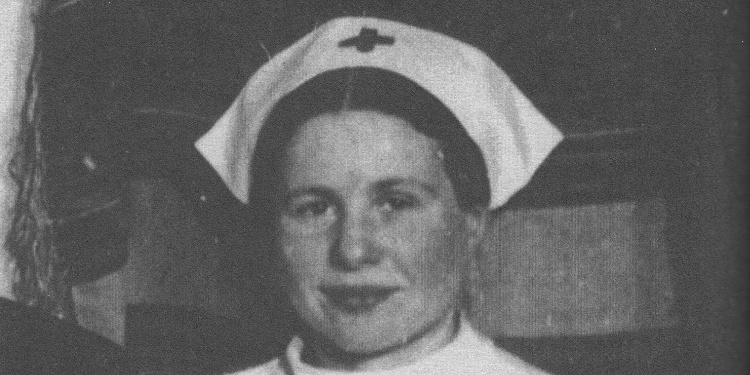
x: 476, y: 224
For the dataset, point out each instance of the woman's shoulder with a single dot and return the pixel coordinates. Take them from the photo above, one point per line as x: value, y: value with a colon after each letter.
x: 272, y: 367
x: 512, y: 364
x: 482, y: 356
x: 33, y: 342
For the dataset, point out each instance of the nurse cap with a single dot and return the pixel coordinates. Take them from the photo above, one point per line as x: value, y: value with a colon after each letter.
x: 513, y: 136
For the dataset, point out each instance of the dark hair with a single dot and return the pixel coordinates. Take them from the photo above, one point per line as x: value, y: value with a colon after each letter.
x: 364, y: 88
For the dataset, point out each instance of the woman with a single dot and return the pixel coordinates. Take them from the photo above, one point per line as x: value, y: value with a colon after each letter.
x: 372, y: 151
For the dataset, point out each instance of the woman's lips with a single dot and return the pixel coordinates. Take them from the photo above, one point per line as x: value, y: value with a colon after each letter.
x: 357, y: 299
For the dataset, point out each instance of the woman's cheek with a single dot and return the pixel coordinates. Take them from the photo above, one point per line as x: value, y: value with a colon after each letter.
x: 303, y: 270
x: 304, y: 257
x: 425, y: 245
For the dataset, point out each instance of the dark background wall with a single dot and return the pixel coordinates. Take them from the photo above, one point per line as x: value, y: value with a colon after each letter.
x: 639, y: 217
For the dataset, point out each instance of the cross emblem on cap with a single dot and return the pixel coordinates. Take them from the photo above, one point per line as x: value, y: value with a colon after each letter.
x: 367, y: 40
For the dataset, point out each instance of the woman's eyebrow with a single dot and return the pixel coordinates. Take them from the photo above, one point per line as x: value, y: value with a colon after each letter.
x: 313, y: 190
x: 391, y: 183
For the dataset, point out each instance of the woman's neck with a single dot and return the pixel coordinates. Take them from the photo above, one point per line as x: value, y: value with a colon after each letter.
x: 324, y: 354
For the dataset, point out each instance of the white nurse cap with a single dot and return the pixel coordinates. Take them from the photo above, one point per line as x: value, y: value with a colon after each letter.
x: 513, y: 136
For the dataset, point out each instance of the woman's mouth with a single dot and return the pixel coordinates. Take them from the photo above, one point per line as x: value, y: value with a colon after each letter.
x: 357, y: 299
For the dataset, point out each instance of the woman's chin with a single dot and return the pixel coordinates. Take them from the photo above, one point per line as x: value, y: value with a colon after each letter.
x: 385, y: 329
x: 362, y: 326
x: 388, y: 333
x: 369, y: 335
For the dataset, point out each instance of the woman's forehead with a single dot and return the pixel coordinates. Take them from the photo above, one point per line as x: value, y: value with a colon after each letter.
x: 362, y: 146
x: 360, y: 131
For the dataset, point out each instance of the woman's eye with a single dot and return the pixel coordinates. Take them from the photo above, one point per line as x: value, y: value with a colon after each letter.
x: 398, y: 203
x: 310, y: 208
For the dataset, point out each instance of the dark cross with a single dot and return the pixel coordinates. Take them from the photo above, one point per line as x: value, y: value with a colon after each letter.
x: 367, y: 40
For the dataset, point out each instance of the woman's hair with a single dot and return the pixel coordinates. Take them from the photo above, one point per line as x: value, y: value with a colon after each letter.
x: 373, y: 89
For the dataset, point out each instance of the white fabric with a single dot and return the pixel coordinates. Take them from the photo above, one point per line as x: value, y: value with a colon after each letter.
x: 468, y: 354
x: 513, y: 136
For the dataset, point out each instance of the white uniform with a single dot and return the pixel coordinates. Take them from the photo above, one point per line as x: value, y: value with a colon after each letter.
x: 469, y: 354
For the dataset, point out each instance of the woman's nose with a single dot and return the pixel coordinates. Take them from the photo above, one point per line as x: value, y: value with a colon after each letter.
x: 355, y: 247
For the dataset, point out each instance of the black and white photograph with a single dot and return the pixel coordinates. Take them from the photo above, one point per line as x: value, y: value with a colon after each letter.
x: 364, y: 187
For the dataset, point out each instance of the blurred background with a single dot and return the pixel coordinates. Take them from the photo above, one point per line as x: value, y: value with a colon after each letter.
x: 623, y: 256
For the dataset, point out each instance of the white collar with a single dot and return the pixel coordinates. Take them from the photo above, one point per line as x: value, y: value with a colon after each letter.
x: 469, y: 353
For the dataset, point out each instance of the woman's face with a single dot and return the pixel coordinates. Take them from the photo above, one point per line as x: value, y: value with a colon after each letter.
x: 371, y: 234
